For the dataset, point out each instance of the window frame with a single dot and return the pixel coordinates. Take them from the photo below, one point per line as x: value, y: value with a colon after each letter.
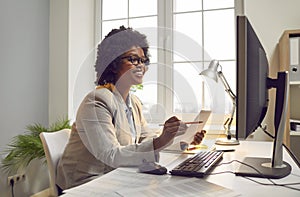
x: 164, y: 39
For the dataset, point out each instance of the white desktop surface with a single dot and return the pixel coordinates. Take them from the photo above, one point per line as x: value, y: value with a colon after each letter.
x: 238, y: 184
x: 246, y: 187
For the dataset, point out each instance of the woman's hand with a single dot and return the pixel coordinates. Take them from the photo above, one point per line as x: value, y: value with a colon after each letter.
x: 182, y: 129
x: 171, y: 127
x: 198, y: 137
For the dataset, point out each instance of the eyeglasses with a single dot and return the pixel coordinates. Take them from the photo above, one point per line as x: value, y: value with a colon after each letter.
x: 135, y: 60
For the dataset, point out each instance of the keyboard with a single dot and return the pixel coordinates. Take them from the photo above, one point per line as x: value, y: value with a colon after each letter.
x: 198, y: 165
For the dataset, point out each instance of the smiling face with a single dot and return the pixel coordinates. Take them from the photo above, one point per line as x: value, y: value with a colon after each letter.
x: 132, y: 67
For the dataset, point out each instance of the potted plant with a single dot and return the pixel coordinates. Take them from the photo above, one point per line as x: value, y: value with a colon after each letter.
x: 25, y: 147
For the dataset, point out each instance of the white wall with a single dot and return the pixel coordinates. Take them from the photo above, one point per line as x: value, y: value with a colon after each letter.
x: 81, y: 52
x: 37, y: 79
x: 24, y: 64
x: 270, y: 18
x: 71, y: 55
x: 58, y: 59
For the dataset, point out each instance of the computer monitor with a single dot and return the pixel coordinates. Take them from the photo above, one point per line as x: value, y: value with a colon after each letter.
x: 253, y: 86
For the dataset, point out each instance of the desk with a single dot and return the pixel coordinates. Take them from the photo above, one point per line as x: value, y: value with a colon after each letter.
x: 237, y: 184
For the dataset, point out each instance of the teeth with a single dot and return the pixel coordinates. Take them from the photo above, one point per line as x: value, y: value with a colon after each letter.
x: 139, y: 73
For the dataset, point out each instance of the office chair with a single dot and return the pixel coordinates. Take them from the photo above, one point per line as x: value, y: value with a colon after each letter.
x: 54, y: 144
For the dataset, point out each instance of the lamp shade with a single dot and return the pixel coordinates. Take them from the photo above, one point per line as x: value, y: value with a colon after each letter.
x: 211, y: 71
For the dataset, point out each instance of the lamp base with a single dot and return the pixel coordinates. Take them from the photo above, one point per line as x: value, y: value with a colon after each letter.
x: 225, y: 141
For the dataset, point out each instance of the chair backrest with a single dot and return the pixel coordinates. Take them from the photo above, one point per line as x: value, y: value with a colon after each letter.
x: 54, y: 144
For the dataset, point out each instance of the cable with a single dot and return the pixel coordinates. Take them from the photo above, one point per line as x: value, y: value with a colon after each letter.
x: 287, y: 148
x: 287, y: 185
x: 224, y: 172
x: 275, y: 184
x: 292, y: 155
x: 262, y: 175
x: 242, y: 164
x: 12, y: 183
x: 224, y: 163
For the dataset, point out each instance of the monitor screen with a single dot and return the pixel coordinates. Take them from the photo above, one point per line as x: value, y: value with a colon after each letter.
x: 252, y: 68
x: 253, y: 84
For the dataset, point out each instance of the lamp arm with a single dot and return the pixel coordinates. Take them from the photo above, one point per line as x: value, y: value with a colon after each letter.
x: 226, y: 85
x: 227, y: 124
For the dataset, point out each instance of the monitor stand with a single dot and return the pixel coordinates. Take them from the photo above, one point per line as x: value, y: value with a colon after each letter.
x: 262, y: 168
x: 275, y: 167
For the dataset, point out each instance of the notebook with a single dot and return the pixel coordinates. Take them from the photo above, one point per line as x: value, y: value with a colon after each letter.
x: 206, y: 144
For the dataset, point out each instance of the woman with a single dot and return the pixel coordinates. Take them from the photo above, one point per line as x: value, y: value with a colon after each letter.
x: 110, y: 128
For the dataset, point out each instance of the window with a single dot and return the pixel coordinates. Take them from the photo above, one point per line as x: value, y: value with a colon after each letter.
x: 184, y: 36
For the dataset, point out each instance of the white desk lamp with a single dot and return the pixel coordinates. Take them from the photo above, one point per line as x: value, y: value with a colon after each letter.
x: 213, y: 73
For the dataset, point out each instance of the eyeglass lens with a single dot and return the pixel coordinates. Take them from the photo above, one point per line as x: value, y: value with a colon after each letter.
x: 135, y: 60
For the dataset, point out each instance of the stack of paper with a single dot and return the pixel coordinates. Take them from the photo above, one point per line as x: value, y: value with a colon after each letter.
x: 125, y: 183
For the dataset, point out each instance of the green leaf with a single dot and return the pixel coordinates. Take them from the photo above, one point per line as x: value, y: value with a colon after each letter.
x: 28, y: 146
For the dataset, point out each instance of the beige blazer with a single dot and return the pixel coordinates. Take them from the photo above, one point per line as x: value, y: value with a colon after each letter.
x: 102, y: 141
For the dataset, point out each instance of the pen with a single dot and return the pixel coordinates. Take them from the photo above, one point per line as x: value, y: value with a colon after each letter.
x: 196, y: 147
x: 192, y: 148
x: 196, y: 122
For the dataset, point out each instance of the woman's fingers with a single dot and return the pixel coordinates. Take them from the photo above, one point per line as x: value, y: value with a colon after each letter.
x: 198, y: 137
x: 172, y: 125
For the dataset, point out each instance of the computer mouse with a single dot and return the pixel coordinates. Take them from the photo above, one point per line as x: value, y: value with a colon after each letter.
x: 152, y: 168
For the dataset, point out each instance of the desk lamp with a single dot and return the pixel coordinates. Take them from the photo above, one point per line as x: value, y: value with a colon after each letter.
x: 213, y: 73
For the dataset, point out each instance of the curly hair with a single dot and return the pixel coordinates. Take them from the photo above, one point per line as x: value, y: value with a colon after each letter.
x: 110, y: 50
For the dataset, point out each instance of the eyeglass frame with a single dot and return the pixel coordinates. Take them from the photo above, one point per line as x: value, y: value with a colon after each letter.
x: 136, y: 60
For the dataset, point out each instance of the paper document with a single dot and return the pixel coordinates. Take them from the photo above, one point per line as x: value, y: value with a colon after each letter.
x: 185, y: 187
x: 125, y: 183
x: 206, y: 145
x: 108, y: 184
